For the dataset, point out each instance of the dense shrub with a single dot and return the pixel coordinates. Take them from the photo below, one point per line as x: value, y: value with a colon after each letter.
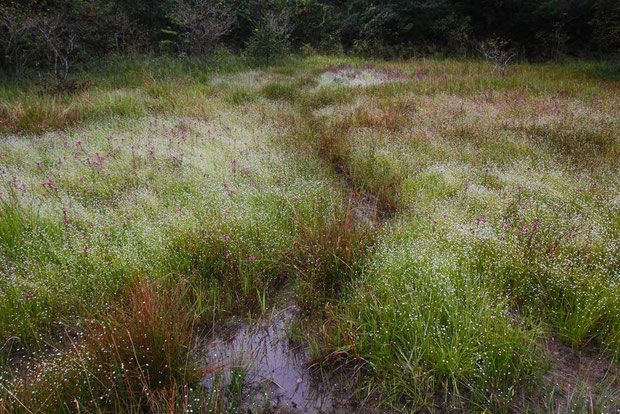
x: 203, y: 24
x: 270, y: 39
x: 56, y: 33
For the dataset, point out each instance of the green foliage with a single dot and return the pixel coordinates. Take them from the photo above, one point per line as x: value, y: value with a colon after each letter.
x: 270, y: 39
x: 83, y: 30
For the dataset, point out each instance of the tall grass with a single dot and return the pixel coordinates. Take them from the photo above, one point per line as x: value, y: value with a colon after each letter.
x: 137, y: 355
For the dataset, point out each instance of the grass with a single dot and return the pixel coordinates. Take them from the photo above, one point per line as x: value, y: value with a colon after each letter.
x: 439, y: 224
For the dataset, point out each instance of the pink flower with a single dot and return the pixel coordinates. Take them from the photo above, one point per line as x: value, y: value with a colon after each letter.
x: 227, y: 237
x: 444, y: 215
x: 227, y: 212
x: 295, y: 198
x: 252, y: 258
x: 86, y: 248
x: 225, y: 185
x: 519, y: 187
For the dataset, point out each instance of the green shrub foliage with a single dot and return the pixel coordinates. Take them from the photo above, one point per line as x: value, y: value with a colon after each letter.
x: 55, y: 34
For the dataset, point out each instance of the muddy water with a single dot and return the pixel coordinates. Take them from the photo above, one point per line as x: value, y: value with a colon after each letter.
x: 277, y: 376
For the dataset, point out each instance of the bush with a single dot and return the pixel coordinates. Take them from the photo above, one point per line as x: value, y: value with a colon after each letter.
x: 270, y: 39
x: 203, y: 24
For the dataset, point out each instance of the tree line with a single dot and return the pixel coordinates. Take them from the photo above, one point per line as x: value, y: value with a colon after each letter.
x: 55, y: 34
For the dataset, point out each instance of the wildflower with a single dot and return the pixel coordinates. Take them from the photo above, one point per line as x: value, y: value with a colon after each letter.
x: 295, y: 198
x: 227, y: 212
x: 227, y: 237
x: 252, y: 258
x: 519, y: 187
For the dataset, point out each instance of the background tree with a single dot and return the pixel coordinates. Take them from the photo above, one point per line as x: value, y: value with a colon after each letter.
x: 203, y: 23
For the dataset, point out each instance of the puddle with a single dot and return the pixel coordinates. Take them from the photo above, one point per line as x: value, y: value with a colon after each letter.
x: 277, y: 376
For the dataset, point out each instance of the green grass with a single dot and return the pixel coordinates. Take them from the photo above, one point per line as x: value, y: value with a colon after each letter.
x: 437, y: 222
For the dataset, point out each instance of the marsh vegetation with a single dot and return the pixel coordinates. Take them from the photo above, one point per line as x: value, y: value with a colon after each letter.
x: 441, y: 237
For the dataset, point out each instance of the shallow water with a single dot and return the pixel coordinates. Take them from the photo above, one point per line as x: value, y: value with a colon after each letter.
x: 277, y: 374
